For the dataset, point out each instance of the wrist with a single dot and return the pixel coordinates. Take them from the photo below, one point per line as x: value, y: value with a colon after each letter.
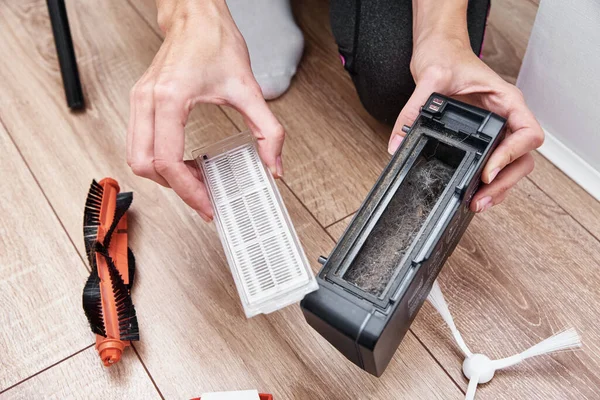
x: 437, y: 40
x: 173, y: 13
x: 438, y: 53
x: 440, y: 21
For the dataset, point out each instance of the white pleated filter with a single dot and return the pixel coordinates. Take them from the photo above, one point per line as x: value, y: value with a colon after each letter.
x: 268, y: 264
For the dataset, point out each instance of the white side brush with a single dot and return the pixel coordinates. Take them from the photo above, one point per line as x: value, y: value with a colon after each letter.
x: 478, y: 368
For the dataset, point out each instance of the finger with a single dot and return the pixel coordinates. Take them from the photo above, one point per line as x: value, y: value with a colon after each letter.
x: 263, y: 124
x: 130, y: 124
x: 169, y: 141
x: 501, y: 197
x: 411, y: 111
x: 140, y: 157
x: 193, y: 168
x: 491, y: 194
x: 142, y: 143
x: 526, y: 136
x: 497, y: 200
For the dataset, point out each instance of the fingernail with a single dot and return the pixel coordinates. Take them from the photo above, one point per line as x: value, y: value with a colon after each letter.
x: 493, y: 174
x: 279, y: 166
x: 484, y: 203
x: 205, y: 217
x: 395, y: 142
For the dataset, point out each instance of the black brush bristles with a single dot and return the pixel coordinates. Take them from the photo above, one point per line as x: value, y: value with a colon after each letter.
x: 130, y: 267
x: 123, y: 202
x: 92, y: 304
x: 128, y: 325
x: 91, y: 217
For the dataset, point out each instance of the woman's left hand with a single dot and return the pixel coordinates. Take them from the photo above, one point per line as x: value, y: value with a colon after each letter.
x: 449, y: 67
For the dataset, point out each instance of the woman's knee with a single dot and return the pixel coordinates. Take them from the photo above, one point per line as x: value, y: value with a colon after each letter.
x: 384, y: 89
x: 375, y: 41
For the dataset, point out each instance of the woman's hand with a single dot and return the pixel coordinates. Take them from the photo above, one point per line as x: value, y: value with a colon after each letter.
x: 203, y: 59
x: 444, y: 62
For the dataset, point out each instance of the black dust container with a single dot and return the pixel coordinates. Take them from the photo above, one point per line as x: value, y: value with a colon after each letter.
x: 381, y: 271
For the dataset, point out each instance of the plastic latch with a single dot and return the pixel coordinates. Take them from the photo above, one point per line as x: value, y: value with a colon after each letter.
x: 435, y: 105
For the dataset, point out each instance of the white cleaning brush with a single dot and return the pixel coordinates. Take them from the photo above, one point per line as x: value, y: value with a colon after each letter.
x: 478, y: 368
x: 436, y: 298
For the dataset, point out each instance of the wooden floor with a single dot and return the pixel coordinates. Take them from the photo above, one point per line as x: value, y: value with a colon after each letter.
x: 523, y: 271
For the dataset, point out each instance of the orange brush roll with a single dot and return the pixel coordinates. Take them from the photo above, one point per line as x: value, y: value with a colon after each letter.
x: 106, y: 296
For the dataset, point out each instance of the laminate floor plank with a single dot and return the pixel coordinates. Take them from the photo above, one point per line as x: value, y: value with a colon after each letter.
x: 337, y: 230
x: 40, y: 318
x: 78, y: 378
x: 570, y: 196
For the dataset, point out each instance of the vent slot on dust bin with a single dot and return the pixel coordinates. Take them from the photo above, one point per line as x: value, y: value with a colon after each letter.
x: 383, y: 251
x: 263, y: 251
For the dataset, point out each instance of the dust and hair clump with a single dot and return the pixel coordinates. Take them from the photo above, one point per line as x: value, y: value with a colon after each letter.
x: 398, y: 226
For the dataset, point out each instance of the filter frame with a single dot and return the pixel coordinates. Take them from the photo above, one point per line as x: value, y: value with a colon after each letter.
x: 281, y: 295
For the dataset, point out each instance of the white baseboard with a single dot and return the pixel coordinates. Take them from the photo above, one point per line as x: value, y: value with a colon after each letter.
x: 571, y: 164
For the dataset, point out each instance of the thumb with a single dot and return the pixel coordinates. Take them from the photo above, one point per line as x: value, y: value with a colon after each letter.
x: 264, y: 126
x: 410, y: 112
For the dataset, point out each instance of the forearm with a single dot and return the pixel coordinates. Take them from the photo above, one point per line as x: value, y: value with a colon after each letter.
x: 443, y: 18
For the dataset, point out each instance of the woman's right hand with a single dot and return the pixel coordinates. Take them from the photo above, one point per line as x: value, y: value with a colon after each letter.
x: 203, y: 59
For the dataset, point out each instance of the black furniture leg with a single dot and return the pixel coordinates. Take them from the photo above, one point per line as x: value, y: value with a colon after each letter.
x: 66, y: 54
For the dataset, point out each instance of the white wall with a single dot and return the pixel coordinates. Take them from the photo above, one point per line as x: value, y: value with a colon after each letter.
x: 560, y: 78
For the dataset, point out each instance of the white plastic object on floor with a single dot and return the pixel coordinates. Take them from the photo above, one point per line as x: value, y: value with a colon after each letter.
x: 264, y: 254
x: 235, y: 395
x: 478, y: 368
